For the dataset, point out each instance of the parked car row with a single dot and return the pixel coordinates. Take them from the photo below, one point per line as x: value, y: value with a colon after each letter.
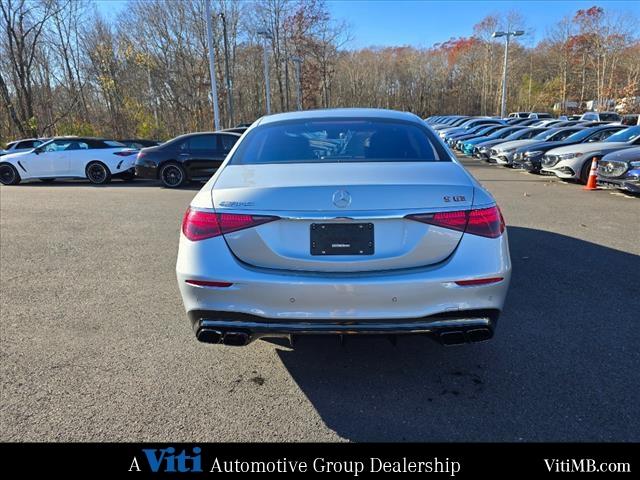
x: 194, y: 156
x: 564, y: 148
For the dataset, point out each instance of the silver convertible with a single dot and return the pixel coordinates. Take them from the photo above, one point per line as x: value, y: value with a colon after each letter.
x: 342, y: 222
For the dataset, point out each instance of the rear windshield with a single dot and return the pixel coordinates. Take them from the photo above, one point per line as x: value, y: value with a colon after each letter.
x: 344, y: 140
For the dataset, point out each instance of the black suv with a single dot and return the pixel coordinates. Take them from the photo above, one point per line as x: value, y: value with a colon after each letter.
x: 194, y: 156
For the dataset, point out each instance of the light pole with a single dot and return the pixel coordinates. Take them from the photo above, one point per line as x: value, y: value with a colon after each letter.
x: 508, y: 35
x: 297, y: 61
x: 212, y: 68
x: 266, y: 35
x: 226, y: 69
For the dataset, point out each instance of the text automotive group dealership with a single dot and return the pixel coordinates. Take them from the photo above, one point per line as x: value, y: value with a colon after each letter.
x: 269, y: 236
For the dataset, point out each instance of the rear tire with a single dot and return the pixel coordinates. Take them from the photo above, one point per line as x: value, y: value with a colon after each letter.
x: 8, y: 174
x: 172, y: 175
x: 98, y: 173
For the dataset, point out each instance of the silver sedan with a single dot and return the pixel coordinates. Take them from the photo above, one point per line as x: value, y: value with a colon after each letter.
x: 347, y: 221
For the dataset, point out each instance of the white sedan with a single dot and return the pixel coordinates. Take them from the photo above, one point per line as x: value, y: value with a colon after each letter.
x: 345, y: 221
x: 574, y: 161
x: 95, y: 159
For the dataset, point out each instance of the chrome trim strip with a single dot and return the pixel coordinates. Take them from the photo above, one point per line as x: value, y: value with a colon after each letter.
x: 344, y: 327
x: 346, y: 215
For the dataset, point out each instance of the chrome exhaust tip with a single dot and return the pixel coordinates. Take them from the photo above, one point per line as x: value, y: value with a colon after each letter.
x: 459, y: 337
x: 479, y: 334
x: 236, y: 339
x: 208, y: 335
x: 453, y: 337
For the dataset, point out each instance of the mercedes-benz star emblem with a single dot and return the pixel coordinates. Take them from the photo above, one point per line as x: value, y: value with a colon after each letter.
x: 342, y: 199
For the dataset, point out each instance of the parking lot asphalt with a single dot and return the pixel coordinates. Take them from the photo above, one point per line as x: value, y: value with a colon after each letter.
x: 95, y: 344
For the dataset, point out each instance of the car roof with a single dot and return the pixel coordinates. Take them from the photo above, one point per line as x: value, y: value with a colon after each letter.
x: 340, y: 113
x: 73, y: 137
x: 136, y: 140
x: 25, y: 140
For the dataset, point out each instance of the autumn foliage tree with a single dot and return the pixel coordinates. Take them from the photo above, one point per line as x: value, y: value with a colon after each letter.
x: 66, y: 70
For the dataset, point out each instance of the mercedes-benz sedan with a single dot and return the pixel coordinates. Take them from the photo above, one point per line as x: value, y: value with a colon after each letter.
x: 349, y: 221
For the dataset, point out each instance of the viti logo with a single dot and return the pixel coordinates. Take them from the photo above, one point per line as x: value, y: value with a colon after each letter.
x: 166, y: 460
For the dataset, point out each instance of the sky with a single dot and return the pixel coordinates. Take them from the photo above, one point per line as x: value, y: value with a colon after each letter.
x: 422, y: 23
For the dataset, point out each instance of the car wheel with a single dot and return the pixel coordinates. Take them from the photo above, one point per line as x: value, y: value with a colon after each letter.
x: 8, y: 174
x: 47, y: 180
x: 98, y: 173
x: 585, y: 171
x: 172, y: 175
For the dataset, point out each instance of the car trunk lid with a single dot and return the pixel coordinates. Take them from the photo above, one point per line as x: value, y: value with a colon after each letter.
x: 330, y: 213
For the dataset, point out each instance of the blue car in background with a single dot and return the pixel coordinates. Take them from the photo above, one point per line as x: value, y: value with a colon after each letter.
x: 469, y: 145
x: 621, y: 170
x: 483, y: 131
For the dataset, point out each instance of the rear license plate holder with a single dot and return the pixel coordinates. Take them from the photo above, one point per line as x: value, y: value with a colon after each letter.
x: 341, y: 239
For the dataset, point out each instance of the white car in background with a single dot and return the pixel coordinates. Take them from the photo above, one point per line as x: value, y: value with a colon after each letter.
x: 574, y: 161
x: 95, y: 159
x: 22, y: 145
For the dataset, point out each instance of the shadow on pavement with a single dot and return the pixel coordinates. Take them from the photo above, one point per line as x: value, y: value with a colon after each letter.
x: 563, y: 365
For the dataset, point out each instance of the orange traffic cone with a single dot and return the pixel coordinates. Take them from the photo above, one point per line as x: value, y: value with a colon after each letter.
x: 593, y: 175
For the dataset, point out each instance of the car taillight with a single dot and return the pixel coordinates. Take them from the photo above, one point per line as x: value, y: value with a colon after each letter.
x: 199, y: 225
x: 486, y: 222
x: 125, y: 153
x: 453, y: 220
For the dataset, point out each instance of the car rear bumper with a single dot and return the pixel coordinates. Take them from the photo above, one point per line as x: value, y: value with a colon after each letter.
x: 149, y: 171
x: 397, y: 295
x: 449, y: 329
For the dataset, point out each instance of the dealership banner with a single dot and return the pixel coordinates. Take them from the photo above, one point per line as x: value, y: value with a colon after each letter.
x: 352, y: 460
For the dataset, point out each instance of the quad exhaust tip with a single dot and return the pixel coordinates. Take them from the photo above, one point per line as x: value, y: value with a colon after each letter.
x: 459, y: 337
x: 241, y: 339
x: 235, y: 339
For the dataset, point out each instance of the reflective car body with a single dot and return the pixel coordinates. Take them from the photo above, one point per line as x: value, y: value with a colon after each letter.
x: 621, y: 170
x: 502, y: 152
x: 530, y: 156
x: 469, y: 147
x: 573, y: 161
x: 342, y: 221
x: 194, y: 156
x: 70, y: 157
x: 24, y: 145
